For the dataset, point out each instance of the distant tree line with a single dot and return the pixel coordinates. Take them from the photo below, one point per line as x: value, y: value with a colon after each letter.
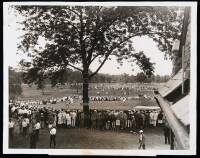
x: 71, y: 76
x: 126, y: 78
x: 15, y: 81
x: 16, y: 78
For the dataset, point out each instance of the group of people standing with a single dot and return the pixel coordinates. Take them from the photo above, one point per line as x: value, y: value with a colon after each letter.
x: 29, y: 120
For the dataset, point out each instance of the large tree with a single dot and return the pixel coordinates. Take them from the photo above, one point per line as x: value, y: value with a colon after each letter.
x: 77, y: 35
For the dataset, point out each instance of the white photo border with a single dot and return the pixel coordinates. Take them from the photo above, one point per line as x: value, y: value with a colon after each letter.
x: 193, y: 94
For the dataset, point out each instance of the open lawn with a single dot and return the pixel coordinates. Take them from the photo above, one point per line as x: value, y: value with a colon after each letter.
x: 32, y: 93
x: 88, y: 139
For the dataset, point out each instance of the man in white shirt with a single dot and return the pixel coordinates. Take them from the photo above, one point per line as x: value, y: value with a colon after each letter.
x: 53, y: 136
x: 68, y: 119
x: 73, y: 116
x: 155, y: 117
x: 141, y: 140
x: 59, y: 119
x: 13, y: 109
x: 11, y: 127
x: 71, y: 100
x: 151, y: 115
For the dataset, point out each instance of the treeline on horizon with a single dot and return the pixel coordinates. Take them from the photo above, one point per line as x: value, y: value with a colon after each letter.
x: 72, y: 76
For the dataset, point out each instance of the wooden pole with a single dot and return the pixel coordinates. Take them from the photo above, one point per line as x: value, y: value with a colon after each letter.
x: 180, y: 133
x: 183, y: 59
x: 183, y: 39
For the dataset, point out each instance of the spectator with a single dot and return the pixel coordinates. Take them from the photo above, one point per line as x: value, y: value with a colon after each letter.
x: 24, y: 127
x: 73, y: 116
x: 59, y: 119
x: 147, y: 119
x: 151, y: 116
x: 141, y: 140
x: 108, y: 123
x: 63, y: 119
x: 17, y: 127
x: 104, y: 119
x: 139, y: 122
x: 37, y: 129
x: 11, y: 127
x: 99, y: 120
x: 33, y: 139
x: 160, y: 118
x: 94, y: 119
x: 123, y: 121
x: 117, y: 115
x: 42, y: 120
x: 167, y: 133
x: 155, y: 117
x: 113, y: 120
x: 133, y: 123
x: 54, y: 119
x: 128, y: 123
x: 68, y: 118
x: 143, y: 119
x: 78, y: 118
x: 82, y: 119
x: 53, y: 136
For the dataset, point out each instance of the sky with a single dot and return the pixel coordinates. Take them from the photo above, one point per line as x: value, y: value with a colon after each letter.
x: 144, y: 43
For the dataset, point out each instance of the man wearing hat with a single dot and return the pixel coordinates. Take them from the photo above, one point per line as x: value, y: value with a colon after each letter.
x: 53, y: 136
x: 141, y: 140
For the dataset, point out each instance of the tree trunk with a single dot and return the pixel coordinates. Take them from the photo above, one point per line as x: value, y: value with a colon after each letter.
x: 86, y: 99
x: 77, y: 87
x: 42, y: 91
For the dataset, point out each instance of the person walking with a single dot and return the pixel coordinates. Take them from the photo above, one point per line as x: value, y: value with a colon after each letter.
x: 141, y: 140
x: 53, y: 136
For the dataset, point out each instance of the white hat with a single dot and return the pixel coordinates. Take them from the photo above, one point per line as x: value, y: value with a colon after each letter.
x: 141, y: 131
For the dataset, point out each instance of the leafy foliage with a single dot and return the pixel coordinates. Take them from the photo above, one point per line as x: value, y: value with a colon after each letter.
x: 77, y: 35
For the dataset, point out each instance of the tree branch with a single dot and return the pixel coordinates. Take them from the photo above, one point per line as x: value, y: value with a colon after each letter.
x: 110, y: 51
x: 72, y: 11
x: 106, y: 57
x: 75, y: 67
x: 93, y: 58
x: 73, y: 25
x: 68, y: 64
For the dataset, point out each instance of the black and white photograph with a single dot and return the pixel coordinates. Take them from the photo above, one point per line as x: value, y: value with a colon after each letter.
x: 99, y: 78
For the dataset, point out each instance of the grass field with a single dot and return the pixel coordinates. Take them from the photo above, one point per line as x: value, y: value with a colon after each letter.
x: 72, y: 139
x: 85, y: 138
x: 32, y: 93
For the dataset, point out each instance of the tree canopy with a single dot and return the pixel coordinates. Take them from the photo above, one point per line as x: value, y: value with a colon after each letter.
x: 77, y: 35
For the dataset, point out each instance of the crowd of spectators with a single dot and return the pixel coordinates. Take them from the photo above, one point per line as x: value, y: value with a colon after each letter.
x: 98, y: 119
x: 25, y: 119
